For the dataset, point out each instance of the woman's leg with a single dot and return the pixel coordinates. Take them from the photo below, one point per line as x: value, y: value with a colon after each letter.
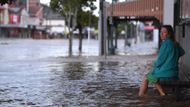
x: 160, y: 89
x: 143, y: 86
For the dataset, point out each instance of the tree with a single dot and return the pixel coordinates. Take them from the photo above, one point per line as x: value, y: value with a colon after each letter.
x: 82, y: 18
x: 82, y: 21
x: 2, y: 2
x: 69, y: 9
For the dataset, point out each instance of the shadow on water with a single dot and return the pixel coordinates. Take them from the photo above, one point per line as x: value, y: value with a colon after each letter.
x: 74, y: 70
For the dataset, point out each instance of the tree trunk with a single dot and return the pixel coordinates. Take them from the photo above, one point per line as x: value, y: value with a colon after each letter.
x: 80, y: 41
x: 70, y: 36
x: 79, y: 26
x: 70, y: 44
x: 72, y: 24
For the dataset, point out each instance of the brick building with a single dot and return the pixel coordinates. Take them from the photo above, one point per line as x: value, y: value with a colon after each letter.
x: 21, y: 19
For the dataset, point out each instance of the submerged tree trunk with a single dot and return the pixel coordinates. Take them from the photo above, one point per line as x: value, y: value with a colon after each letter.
x: 70, y: 35
x: 79, y: 26
x: 72, y: 24
x: 80, y: 43
x: 69, y: 10
x: 70, y: 44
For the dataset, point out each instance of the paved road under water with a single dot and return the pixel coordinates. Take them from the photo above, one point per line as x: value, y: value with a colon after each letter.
x: 30, y: 79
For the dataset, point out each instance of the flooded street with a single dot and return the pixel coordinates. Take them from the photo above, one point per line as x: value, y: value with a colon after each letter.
x: 37, y: 73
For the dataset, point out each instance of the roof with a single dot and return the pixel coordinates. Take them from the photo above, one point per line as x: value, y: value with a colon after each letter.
x: 15, y: 10
x: 33, y: 10
x: 50, y: 14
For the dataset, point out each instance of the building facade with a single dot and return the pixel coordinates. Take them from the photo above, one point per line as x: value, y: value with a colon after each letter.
x: 182, y: 27
x: 4, y: 14
x: 23, y: 18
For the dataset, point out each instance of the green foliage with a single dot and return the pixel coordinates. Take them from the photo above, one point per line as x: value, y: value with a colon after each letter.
x: 71, y: 5
x: 94, y: 21
x: 87, y: 17
x: 66, y: 7
x: 120, y: 27
x: 54, y: 5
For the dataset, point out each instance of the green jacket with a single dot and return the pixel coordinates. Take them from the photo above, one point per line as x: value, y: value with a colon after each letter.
x: 166, y: 64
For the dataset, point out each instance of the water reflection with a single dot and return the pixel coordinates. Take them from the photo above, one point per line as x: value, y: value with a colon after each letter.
x: 32, y: 75
x: 74, y: 70
x: 77, y: 84
x: 106, y: 84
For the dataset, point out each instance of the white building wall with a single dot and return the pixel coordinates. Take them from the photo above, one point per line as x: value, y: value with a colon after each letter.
x: 33, y: 21
x: 168, y: 12
x: 24, y: 17
x: 6, y: 14
x: 53, y: 23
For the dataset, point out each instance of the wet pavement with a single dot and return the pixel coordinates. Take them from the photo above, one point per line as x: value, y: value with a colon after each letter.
x: 37, y: 73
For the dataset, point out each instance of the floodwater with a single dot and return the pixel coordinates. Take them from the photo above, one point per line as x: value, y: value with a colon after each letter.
x: 35, y: 73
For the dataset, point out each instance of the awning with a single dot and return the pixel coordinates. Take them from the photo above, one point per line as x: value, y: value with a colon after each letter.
x: 148, y: 27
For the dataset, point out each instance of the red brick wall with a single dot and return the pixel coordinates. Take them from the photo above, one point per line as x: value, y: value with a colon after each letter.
x: 138, y: 8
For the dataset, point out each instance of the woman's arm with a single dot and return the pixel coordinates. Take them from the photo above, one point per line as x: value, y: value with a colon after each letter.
x: 162, y: 55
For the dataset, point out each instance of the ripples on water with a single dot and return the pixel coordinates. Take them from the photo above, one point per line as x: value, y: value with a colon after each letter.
x: 28, y: 81
x: 76, y: 84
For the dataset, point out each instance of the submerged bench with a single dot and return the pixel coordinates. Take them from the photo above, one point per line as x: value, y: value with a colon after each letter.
x: 176, y: 86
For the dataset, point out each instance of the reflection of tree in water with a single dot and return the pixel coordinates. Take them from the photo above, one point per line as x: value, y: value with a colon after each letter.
x: 108, y: 65
x: 77, y: 70
x: 74, y: 70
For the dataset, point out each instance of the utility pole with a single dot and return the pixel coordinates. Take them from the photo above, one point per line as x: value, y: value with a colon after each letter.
x: 103, y: 36
x: 101, y: 28
x: 112, y: 48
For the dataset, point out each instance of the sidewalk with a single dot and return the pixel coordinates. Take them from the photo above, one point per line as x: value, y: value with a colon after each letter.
x: 110, y: 58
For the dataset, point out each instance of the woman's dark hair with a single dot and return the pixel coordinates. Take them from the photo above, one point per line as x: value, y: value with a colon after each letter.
x: 170, y: 32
